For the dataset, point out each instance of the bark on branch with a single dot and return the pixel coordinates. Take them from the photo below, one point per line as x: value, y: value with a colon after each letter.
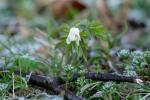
x: 109, y: 77
x: 54, y: 85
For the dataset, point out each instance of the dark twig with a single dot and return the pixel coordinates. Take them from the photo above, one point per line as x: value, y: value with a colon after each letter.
x: 92, y: 76
x: 54, y: 85
x: 109, y: 77
x: 106, y: 77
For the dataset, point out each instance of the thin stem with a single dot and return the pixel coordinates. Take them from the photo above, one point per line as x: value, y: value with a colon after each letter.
x: 13, y: 85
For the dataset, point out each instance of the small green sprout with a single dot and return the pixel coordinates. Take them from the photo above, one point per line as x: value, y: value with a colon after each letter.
x: 124, y: 54
x: 147, y: 56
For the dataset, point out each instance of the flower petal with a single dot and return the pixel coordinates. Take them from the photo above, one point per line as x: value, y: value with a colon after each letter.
x: 73, y: 36
x: 68, y: 41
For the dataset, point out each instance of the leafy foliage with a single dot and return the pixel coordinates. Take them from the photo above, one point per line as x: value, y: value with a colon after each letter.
x: 87, y: 30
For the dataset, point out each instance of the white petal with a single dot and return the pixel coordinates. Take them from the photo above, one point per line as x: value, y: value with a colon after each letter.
x: 139, y: 81
x: 78, y: 37
x: 73, y: 36
x: 68, y: 41
x: 74, y: 30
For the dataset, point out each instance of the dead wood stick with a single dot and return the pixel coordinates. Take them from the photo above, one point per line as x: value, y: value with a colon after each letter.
x: 109, y: 77
x: 93, y: 76
x: 52, y: 84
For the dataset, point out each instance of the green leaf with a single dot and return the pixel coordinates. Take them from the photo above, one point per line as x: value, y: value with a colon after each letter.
x: 27, y: 63
x: 83, y: 24
x: 83, y: 50
x: 64, y: 29
x: 61, y: 43
x: 20, y: 82
x: 97, y: 29
x: 84, y: 35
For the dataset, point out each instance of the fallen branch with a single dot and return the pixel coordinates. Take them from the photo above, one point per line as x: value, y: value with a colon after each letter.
x: 110, y: 77
x: 92, y: 76
x: 52, y: 84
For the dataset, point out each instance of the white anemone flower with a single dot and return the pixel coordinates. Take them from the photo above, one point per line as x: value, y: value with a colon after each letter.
x: 73, y: 36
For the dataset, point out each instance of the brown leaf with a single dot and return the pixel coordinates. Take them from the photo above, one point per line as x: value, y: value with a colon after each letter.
x: 61, y: 7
